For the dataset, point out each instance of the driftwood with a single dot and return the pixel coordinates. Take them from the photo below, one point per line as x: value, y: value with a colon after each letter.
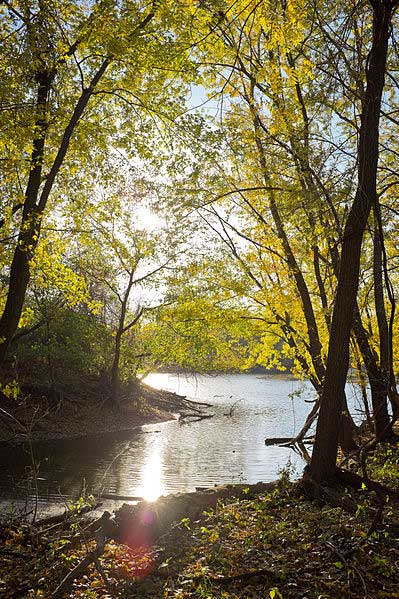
x: 196, y: 417
x: 278, y: 440
x: 286, y: 440
x: 167, y: 400
x: 232, y: 408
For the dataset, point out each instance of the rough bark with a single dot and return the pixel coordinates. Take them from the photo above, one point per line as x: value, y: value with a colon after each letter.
x: 326, y: 443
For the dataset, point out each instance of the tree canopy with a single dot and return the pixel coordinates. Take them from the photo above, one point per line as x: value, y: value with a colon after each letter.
x: 203, y: 185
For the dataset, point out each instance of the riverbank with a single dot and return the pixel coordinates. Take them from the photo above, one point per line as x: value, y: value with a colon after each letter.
x: 277, y: 544
x: 35, y: 418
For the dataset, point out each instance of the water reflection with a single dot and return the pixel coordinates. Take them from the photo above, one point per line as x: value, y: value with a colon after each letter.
x: 151, y: 475
x: 172, y: 457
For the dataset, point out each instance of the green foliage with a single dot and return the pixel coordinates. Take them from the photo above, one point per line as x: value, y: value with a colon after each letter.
x: 246, y: 210
x: 68, y: 348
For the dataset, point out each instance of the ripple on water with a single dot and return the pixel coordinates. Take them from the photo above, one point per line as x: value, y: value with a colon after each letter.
x: 220, y: 450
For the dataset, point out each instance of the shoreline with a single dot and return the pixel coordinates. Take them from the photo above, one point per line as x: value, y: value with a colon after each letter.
x: 34, y: 421
x: 38, y: 437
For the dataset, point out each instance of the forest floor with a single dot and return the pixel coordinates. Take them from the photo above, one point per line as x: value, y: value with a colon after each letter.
x: 278, y: 545
x: 36, y: 418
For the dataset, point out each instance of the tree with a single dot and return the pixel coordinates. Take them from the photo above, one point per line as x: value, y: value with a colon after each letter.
x: 66, y: 59
x: 278, y: 176
x: 325, y: 450
x: 269, y: 174
x: 123, y: 263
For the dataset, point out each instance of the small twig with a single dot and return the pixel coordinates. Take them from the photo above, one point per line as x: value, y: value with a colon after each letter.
x: 348, y: 566
x: 232, y: 408
x: 77, y: 571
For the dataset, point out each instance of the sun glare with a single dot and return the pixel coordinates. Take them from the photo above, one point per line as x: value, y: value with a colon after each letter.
x: 151, y: 486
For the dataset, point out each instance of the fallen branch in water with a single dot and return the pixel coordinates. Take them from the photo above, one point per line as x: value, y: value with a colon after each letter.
x: 286, y: 440
x: 194, y: 417
x: 232, y: 408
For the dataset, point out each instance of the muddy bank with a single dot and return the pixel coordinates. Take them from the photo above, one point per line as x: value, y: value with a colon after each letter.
x: 37, y: 417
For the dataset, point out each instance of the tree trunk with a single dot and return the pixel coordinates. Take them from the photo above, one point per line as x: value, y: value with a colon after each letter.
x: 315, y: 347
x: 115, y: 380
x: 346, y: 429
x: 36, y: 201
x: 376, y: 379
x: 385, y: 329
x: 31, y: 219
x: 122, y: 328
x: 326, y: 444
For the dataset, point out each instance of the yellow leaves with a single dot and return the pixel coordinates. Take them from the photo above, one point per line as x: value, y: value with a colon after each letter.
x: 11, y: 390
x: 27, y: 317
x: 49, y: 271
x: 284, y: 25
x: 200, y: 333
x: 190, y: 5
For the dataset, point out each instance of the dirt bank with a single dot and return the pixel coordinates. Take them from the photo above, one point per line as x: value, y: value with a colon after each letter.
x: 38, y: 418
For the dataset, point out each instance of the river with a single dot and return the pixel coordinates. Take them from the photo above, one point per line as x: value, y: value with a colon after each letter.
x: 171, y: 457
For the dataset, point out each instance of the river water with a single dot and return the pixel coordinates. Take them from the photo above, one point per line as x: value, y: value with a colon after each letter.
x: 171, y: 457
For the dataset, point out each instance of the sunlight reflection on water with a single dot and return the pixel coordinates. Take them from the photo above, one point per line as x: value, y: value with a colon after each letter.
x: 174, y: 457
x: 151, y: 474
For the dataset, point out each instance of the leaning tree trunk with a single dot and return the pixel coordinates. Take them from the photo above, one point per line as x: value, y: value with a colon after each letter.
x: 36, y: 201
x: 375, y: 375
x: 326, y: 444
x: 31, y: 218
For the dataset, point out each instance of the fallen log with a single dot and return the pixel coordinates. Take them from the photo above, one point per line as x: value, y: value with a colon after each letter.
x: 194, y: 417
x: 278, y: 440
x: 144, y: 522
x: 286, y: 440
x: 120, y: 497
